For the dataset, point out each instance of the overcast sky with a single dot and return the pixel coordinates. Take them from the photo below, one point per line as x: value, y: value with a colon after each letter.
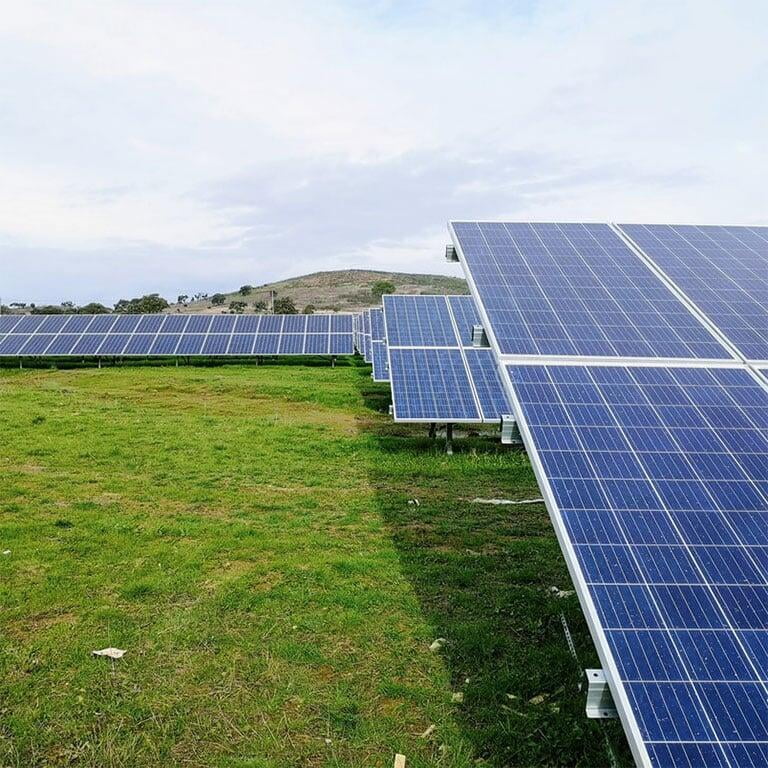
x: 184, y: 146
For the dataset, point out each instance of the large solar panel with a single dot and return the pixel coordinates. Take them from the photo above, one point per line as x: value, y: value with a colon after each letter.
x: 723, y: 270
x: 168, y: 335
x: 574, y: 290
x: 435, y: 373
x: 657, y: 482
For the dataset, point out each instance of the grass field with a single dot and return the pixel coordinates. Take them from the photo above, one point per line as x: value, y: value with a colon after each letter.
x: 245, y: 533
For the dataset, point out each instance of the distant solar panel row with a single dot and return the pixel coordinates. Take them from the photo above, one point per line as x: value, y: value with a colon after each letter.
x: 436, y: 374
x: 184, y: 335
x: 576, y: 290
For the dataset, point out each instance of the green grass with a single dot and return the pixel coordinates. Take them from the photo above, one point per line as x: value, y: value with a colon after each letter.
x: 245, y: 534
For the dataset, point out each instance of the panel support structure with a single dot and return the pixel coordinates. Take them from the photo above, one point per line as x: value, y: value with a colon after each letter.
x: 600, y: 704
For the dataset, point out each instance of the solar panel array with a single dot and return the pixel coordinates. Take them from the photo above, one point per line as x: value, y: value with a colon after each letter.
x: 723, y: 270
x: 650, y: 442
x: 435, y: 373
x: 174, y: 335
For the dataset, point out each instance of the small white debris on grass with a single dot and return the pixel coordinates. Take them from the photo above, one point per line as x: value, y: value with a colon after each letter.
x: 512, y: 697
x: 457, y: 698
x: 110, y: 653
x: 399, y: 761
x: 328, y: 742
x: 437, y: 644
x: 540, y: 699
x: 507, y: 501
x: 6, y: 551
x: 557, y: 592
x: 428, y: 732
x: 414, y: 502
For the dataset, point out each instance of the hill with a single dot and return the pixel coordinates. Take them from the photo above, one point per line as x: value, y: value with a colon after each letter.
x: 338, y: 291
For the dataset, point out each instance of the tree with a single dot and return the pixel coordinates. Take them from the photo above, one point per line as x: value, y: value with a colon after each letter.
x: 260, y: 306
x: 182, y: 298
x: 246, y: 290
x: 52, y: 309
x: 238, y: 307
x: 308, y: 310
x: 218, y: 299
x: 285, y: 306
x: 94, y: 308
x: 380, y: 287
x: 150, y: 304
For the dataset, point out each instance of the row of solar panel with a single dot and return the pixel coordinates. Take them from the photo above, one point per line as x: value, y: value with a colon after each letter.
x: 175, y: 324
x: 435, y: 372
x: 588, y: 290
x: 188, y: 344
x: 131, y: 335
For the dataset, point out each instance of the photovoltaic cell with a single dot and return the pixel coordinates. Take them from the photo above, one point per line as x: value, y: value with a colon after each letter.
x: 419, y: 321
x: 576, y: 290
x: 165, y: 344
x: 465, y: 314
x: 380, y: 362
x: 658, y: 480
x: 341, y: 343
x: 723, y: 270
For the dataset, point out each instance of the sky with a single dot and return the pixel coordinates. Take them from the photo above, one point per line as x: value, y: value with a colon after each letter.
x: 178, y: 147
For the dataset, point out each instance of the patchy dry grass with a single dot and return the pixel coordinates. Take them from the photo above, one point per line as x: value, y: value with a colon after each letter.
x: 244, y: 533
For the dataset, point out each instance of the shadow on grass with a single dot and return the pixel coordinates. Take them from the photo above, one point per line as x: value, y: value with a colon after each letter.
x: 484, y: 576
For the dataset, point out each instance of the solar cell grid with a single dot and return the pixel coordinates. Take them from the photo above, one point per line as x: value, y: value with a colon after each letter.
x: 723, y: 270
x: 669, y: 537
x: 576, y: 290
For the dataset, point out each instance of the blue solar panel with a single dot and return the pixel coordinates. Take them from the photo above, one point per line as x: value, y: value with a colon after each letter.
x: 164, y: 344
x: 12, y: 343
x: 77, y: 323
x: 380, y: 362
x: 184, y: 335
x: 191, y: 344
x: 198, y: 324
x: 52, y: 324
x: 484, y: 371
x: 341, y: 344
x: 215, y: 344
x: 576, y: 290
x: 341, y: 323
x: 317, y: 344
x: 88, y: 344
x: 418, y: 321
x: 293, y: 343
x: 657, y: 480
x: 723, y: 270
x: 295, y: 324
x: 139, y: 344
x: 241, y: 344
x: 266, y: 344
x: 114, y: 344
x: 465, y: 315
x: 174, y: 324
x: 37, y: 344
x: 62, y: 344
x: 7, y: 323
x: 223, y: 324
x: 431, y: 385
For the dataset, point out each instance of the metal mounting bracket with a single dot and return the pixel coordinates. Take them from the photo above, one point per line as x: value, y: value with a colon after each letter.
x: 510, y: 433
x: 479, y: 337
x: 599, y: 699
x: 450, y: 253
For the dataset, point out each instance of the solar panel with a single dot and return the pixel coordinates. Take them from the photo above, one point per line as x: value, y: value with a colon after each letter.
x: 571, y: 290
x: 186, y: 335
x: 657, y: 483
x: 723, y: 270
x: 379, y: 359
x: 431, y: 384
x: 366, y: 330
x: 435, y: 391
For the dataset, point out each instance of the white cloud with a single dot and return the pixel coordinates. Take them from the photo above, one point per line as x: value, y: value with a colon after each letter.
x: 270, y: 137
